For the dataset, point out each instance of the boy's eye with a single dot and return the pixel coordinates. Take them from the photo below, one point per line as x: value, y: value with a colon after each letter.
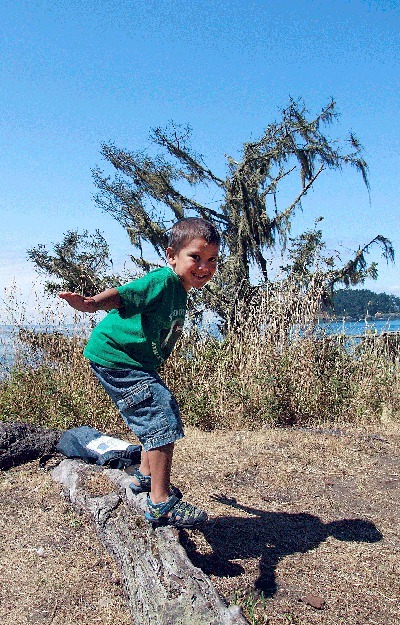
x: 197, y: 258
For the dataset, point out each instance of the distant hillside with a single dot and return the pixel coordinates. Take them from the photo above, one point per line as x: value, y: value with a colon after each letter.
x: 360, y: 302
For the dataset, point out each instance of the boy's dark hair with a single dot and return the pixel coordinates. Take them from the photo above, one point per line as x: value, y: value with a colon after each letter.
x: 190, y: 228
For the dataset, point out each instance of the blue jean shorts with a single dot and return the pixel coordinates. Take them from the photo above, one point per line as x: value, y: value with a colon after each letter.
x: 146, y: 404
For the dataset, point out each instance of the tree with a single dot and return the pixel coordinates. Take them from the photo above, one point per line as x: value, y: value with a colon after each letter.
x: 361, y: 302
x: 150, y: 192
x: 314, y: 274
x: 148, y: 195
x: 307, y: 258
x: 79, y: 264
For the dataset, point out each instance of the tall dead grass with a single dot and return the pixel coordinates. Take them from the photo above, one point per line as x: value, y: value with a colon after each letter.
x: 49, y: 382
x: 278, y: 366
x: 275, y: 366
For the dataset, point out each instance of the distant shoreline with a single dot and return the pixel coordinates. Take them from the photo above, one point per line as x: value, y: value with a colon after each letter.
x: 367, y: 319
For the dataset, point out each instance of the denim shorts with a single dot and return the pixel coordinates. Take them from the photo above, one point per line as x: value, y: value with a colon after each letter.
x: 145, y: 403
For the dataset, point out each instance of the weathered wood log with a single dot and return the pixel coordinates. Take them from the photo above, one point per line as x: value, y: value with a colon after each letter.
x: 23, y: 442
x: 162, y: 585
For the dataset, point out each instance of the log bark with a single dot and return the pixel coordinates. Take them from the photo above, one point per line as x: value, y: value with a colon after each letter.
x: 162, y: 585
x: 23, y: 442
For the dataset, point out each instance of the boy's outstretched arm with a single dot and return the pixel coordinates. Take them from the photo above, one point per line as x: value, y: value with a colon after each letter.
x: 107, y: 300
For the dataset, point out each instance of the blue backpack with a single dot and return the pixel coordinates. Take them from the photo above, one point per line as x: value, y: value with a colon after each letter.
x: 90, y: 445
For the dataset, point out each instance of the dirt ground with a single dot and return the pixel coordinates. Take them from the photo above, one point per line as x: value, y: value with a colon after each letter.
x: 304, y: 524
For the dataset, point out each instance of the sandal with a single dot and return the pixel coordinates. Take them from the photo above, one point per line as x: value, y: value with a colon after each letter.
x: 182, y: 514
x: 144, y: 485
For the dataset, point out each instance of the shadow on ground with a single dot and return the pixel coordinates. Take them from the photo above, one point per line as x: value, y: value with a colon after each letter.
x: 269, y: 536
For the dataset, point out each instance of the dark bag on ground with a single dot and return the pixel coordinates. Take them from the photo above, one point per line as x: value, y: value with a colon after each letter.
x: 92, y: 446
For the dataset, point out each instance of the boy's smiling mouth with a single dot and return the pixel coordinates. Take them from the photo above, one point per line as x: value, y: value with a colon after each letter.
x: 201, y: 278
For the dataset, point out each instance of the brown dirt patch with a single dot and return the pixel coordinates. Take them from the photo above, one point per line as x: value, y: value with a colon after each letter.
x: 308, y: 518
x: 53, y: 571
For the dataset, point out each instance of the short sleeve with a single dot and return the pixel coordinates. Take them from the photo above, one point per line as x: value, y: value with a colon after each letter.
x: 142, y: 295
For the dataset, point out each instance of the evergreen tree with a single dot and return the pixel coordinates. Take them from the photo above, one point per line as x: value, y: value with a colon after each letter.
x: 360, y: 302
x: 79, y: 263
x: 151, y: 191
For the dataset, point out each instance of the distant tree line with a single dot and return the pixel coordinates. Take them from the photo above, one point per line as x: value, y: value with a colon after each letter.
x: 360, y: 302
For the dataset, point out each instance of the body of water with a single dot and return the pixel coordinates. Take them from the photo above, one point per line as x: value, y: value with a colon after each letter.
x: 358, y: 328
x: 9, y: 344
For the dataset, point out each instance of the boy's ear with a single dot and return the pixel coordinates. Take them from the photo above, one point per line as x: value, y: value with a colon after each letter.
x: 170, y: 254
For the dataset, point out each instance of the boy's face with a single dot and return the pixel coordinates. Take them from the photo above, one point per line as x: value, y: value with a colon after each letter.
x: 195, y: 263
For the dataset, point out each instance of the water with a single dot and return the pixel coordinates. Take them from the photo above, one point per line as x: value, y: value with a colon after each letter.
x: 358, y: 328
x: 9, y: 344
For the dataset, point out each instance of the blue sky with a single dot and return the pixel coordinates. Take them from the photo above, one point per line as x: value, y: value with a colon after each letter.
x: 75, y: 74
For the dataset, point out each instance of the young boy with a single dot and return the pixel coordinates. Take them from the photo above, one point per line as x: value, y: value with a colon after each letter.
x: 127, y: 347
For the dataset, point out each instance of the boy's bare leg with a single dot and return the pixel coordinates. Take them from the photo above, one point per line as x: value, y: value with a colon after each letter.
x: 160, y: 462
x: 157, y: 463
x: 144, y: 463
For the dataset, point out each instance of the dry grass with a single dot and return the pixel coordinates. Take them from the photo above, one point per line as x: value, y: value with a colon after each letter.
x: 297, y: 513
x: 278, y: 367
x: 293, y: 514
x: 273, y: 367
x: 52, y: 568
x: 52, y: 384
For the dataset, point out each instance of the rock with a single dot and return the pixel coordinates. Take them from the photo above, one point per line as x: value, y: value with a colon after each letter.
x: 315, y: 601
x: 23, y: 442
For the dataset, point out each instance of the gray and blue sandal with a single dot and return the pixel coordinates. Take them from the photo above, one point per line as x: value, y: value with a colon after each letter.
x: 182, y: 514
x: 144, y: 485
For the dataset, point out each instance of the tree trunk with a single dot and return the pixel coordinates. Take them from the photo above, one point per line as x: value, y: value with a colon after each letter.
x: 162, y: 586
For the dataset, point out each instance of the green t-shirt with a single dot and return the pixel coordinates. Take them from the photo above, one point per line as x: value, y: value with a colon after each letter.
x: 142, y: 333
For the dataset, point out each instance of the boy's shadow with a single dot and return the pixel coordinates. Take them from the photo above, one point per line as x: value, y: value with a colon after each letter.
x: 270, y: 536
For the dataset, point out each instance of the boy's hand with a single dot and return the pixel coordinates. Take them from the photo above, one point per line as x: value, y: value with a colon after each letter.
x: 79, y: 302
x: 106, y: 300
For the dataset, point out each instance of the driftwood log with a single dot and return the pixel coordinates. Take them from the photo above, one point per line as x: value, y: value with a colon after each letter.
x: 162, y: 585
